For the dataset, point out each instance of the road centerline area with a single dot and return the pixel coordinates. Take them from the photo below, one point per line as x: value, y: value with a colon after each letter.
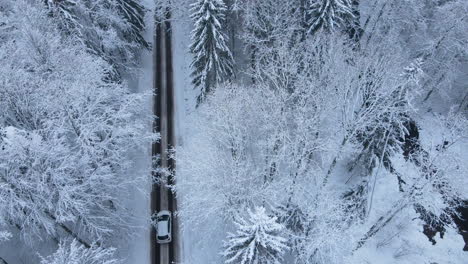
x: 162, y: 197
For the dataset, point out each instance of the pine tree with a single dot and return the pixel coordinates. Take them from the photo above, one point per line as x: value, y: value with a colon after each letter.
x: 258, y: 240
x: 133, y: 13
x: 329, y: 14
x: 213, y: 60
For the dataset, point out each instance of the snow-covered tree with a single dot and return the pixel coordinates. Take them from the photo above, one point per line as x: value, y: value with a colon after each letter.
x: 268, y: 24
x: 4, y: 236
x: 111, y: 29
x: 213, y: 61
x: 258, y: 144
x: 74, y: 253
x: 64, y: 131
x: 329, y: 15
x: 258, y: 240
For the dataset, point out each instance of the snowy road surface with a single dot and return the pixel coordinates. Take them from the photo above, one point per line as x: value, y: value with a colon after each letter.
x: 162, y: 197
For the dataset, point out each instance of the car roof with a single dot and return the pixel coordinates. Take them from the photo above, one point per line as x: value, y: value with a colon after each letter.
x: 163, y: 228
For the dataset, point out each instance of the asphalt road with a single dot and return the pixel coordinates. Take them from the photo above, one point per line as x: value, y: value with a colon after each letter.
x: 162, y: 197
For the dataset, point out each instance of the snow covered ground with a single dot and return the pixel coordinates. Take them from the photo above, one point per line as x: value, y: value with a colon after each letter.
x: 185, y: 103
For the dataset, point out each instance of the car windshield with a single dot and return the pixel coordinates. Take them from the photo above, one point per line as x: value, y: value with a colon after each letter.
x: 163, y: 217
x: 163, y: 237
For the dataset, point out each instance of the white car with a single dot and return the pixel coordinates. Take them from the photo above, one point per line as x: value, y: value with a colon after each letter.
x: 163, y: 227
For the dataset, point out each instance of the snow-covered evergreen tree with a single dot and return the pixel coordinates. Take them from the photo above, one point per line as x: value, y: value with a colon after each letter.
x: 213, y: 60
x: 258, y: 240
x: 111, y: 29
x: 329, y: 14
x: 74, y: 253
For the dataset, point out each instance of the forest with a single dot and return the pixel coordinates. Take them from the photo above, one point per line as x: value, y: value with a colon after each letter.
x: 311, y: 131
x: 327, y: 131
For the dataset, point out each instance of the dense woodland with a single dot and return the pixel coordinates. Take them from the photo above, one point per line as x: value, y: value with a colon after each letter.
x: 324, y: 131
x: 67, y: 120
x: 339, y: 135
